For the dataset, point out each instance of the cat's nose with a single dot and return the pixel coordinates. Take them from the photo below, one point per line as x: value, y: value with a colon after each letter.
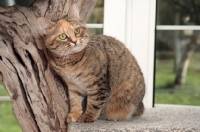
x: 73, y: 40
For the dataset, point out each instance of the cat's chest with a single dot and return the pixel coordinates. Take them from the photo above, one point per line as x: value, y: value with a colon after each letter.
x: 75, y: 80
x: 73, y: 76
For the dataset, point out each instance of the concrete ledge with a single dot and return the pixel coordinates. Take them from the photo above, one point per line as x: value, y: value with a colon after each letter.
x: 154, y: 119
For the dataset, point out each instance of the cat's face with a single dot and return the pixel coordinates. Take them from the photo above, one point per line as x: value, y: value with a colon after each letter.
x: 64, y: 37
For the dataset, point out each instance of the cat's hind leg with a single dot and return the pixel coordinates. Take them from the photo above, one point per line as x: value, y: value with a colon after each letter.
x: 118, y: 112
x: 140, y: 109
x: 119, y: 105
x: 124, y: 102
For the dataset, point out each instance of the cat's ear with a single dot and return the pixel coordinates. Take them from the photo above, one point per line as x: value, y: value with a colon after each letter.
x: 73, y: 12
x: 44, y: 24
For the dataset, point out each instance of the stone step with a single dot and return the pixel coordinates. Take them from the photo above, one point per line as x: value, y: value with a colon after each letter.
x: 153, y: 120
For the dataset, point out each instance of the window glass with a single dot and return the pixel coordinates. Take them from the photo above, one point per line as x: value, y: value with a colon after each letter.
x: 178, y: 12
x: 97, y: 17
x: 177, y: 71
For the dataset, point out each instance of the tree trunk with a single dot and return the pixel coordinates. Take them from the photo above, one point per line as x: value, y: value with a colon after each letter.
x: 188, y: 52
x: 39, y: 97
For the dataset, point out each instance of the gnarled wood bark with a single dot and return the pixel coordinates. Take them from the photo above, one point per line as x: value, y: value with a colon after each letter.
x: 38, y: 96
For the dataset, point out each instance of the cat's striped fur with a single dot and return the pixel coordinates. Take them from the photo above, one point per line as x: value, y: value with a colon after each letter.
x: 96, y: 67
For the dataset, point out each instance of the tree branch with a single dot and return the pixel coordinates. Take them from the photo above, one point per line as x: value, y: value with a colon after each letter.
x: 54, y: 9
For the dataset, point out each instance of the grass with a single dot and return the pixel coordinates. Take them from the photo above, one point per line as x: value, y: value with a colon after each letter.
x: 3, y: 92
x: 165, y: 92
x: 8, y: 122
x: 180, y: 98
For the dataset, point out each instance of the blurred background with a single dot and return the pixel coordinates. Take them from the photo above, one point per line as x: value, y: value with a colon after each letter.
x: 177, y: 55
x: 177, y: 70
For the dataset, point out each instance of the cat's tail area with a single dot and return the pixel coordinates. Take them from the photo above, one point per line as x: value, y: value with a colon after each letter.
x: 140, y: 110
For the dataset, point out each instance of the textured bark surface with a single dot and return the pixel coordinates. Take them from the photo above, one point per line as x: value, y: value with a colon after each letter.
x: 38, y: 96
x: 185, y: 59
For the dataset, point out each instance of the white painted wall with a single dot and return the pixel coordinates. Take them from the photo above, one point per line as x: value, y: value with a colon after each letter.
x: 133, y: 23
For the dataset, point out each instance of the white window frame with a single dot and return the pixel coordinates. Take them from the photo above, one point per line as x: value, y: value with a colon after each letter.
x: 133, y: 23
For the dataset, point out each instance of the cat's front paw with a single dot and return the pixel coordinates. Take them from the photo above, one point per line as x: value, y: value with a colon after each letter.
x: 72, y: 117
x: 86, y: 118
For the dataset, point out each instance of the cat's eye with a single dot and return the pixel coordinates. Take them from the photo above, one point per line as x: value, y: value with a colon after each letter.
x: 63, y: 36
x: 76, y: 31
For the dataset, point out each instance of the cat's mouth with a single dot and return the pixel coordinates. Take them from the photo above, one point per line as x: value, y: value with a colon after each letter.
x: 75, y: 41
x: 74, y: 47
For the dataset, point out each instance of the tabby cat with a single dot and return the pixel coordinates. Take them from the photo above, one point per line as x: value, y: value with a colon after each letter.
x: 96, y: 68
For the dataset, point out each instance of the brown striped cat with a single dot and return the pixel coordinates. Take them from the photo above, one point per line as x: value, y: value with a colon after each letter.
x: 96, y: 67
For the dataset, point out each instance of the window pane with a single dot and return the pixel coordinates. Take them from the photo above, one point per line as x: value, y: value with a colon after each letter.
x: 96, y: 30
x: 175, y: 81
x: 97, y: 17
x: 177, y: 71
x: 97, y: 14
